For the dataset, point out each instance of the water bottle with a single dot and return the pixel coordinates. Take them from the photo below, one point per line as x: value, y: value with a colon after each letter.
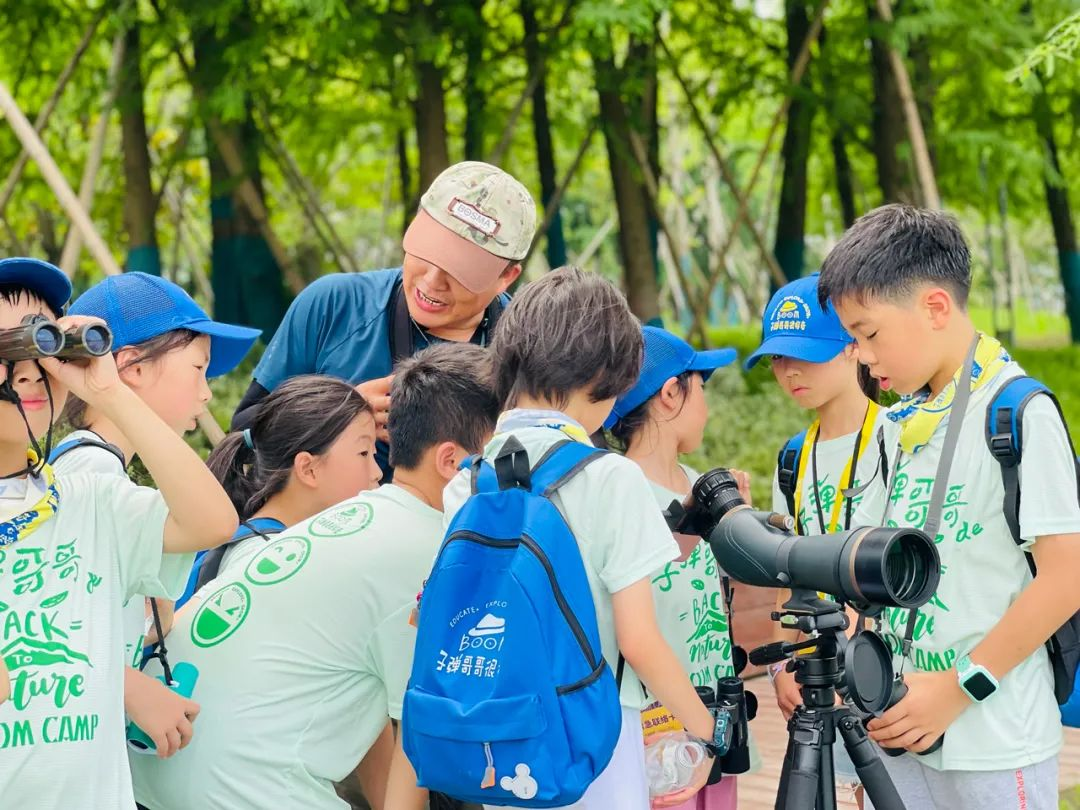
x: 670, y: 762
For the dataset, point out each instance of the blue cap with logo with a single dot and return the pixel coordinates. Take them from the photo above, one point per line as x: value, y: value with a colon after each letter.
x: 138, y: 307
x: 666, y: 356
x: 795, y: 325
x: 48, y: 281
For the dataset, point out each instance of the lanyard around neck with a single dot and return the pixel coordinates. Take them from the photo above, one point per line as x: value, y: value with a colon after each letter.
x: 862, y: 440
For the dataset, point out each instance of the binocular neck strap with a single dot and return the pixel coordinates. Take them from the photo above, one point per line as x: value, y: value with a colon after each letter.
x: 941, y: 476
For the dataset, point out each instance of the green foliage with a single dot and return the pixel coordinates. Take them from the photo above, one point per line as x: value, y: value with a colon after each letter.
x: 1061, y: 43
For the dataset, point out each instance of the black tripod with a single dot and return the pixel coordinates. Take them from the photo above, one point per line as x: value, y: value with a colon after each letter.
x: 807, y: 781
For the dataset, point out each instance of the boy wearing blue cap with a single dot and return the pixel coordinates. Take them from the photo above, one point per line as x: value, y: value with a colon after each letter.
x: 660, y: 418
x: 73, y: 550
x: 816, y: 363
x: 165, y: 348
x: 975, y: 661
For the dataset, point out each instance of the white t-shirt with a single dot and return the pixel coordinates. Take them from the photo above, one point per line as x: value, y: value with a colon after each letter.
x: 61, y: 591
x: 98, y: 461
x: 299, y: 648
x: 833, y: 457
x: 983, y: 572
x: 612, y: 513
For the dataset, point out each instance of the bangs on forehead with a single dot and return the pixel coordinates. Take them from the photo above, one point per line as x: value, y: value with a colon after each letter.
x: 15, y: 294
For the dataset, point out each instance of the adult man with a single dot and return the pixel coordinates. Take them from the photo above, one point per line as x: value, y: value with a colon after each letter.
x: 462, y: 251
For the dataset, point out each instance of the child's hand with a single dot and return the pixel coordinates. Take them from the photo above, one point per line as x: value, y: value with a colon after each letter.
x: 5, y: 682
x: 91, y: 380
x: 934, y: 700
x: 743, y: 480
x: 788, y: 696
x: 701, y: 777
x: 377, y: 394
x: 163, y: 715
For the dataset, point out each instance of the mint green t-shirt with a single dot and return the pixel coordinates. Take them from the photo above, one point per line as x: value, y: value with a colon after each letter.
x: 983, y: 572
x: 301, y: 647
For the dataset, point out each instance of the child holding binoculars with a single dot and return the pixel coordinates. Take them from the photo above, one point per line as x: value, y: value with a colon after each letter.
x: 75, y: 548
x: 165, y: 348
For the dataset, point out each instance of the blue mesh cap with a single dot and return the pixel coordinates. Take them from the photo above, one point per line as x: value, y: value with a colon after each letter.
x: 796, y: 326
x: 43, y: 278
x: 138, y: 307
x: 666, y: 356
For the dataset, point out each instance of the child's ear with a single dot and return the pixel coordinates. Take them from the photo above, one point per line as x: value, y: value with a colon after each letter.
x: 670, y: 393
x: 132, y: 374
x: 851, y: 352
x: 448, y: 456
x: 304, y: 469
x: 939, y: 306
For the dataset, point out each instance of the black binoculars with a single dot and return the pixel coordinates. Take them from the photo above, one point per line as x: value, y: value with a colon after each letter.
x: 39, y: 337
x: 731, y: 698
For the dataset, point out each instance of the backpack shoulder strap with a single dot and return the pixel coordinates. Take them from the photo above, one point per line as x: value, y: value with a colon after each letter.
x: 401, y: 333
x: 491, y: 315
x: 560, y: 464
x: 787, y: 468
x: 64, y: 448
x: 210, y: 565
x: 1005, y: 438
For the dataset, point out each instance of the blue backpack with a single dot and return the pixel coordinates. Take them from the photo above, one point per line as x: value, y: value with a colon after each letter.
x: 510, y: 701
x: 1004, y: 437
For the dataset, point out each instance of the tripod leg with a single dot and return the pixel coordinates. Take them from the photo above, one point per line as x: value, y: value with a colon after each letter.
x: 871, y: 770
x: 806, y: 734
x: 785, y: 773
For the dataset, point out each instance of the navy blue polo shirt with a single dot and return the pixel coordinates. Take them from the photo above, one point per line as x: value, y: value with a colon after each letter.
x: 339, y: 325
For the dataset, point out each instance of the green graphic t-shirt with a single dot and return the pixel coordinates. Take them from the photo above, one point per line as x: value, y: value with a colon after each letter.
x: 983, y: 573
x: 61, y: 592
x: 301, y: 646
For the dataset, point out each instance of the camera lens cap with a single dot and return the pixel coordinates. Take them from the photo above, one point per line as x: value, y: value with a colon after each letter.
x: 868, y: 672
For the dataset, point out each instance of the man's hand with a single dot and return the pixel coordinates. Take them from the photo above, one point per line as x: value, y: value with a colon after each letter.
x: 934, y: 700
x: 788, y: 696
x: 163, y: 715
x: 377, y: 393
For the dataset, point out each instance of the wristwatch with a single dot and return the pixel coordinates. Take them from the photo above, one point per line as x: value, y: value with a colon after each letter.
x: 976, y: 681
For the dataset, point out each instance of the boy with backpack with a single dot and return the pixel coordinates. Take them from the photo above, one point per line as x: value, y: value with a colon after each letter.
x: 545, y: 577
x: 975, y: 658
x: 303, y: 647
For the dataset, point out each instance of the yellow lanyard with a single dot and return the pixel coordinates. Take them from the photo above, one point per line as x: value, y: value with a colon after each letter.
x: 848, y: 473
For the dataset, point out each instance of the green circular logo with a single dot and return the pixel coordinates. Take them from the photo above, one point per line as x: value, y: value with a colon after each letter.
x: 278, y: 561
x: 220, y: 615
x: 348, y: 518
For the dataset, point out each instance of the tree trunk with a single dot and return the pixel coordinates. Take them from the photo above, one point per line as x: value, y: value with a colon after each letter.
x: 475, y: 94
x: 889, y: 133
x: 791, y: 212
x: 1057, y: 201
x: 922, y: 77
x: 845, y: 187
x: 545, y: 152
x: 408, y: 196
x: 247, y: 280
x: 430, y: 109
x: 631, y: 198
x: 140, y: 202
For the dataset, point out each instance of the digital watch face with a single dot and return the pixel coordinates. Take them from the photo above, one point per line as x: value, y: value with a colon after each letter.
x: 979, y: 686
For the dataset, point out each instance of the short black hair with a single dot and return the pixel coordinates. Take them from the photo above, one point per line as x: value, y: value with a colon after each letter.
x: 891, y: 250
x: 14, y: 293
x: 442, y: 394
x: 566, y: 332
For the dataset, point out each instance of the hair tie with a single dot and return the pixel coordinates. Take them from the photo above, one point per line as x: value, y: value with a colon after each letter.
x: 248, y: 440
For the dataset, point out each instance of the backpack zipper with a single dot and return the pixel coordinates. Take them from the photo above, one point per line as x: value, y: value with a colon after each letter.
x: 564, y: 607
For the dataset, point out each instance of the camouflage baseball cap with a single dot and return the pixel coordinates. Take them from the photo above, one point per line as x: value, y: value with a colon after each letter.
x: 473, y: 221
